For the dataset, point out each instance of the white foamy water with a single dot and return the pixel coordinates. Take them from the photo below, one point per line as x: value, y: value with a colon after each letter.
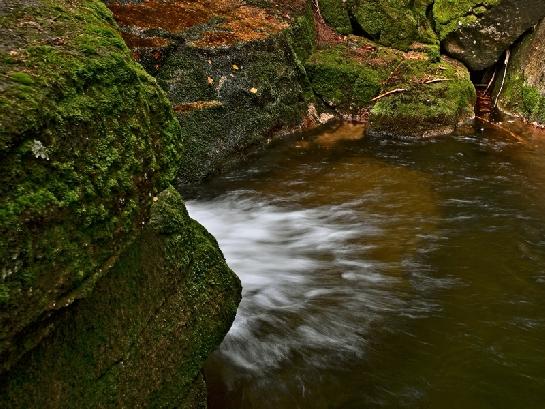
x: 310, y: 288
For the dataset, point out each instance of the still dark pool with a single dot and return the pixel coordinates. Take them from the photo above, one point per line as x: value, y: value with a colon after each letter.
x: 383, y: 274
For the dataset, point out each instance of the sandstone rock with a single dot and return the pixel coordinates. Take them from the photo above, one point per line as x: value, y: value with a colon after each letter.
x: 523, y: 92
x: 478, y: 32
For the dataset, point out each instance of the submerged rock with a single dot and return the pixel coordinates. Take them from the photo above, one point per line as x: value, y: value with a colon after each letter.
x: 477, y: 32
x: 401, y: 93
x: 523, y: 92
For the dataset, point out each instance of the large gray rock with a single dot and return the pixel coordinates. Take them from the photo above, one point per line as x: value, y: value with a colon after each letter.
x: 478, y: 32
x: 234, y: 66
x: 523, y: 92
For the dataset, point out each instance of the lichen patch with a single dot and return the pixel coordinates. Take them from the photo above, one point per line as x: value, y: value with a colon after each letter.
x: 225, y: 22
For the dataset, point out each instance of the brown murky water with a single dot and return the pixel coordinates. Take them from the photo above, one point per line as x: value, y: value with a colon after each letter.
x: 384, y: 274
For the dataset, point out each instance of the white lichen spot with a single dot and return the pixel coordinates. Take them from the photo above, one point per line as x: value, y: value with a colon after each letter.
x: 39, y: 150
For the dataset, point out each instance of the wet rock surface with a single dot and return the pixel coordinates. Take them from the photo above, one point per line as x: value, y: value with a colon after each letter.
x: 142, y: 336
x: 232, y: 69
x: 523, y: 91
x: 477, y: 33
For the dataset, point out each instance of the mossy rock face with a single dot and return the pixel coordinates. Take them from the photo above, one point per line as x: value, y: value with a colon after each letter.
x: 395, y: 23
x: 402, y: 93
x: 477, y: 32
x: 433, y: 99
x: 347, y: 76
x: 523, y: 93
x: 233, y: 70
x: 336, y: 14
x: 87, y: 138
x: 142, y: 336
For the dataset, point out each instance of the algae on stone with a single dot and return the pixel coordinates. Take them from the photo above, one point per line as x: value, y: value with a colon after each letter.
x: 336, y: 14
x: 405, y: 93
x: 477, y: 32
x: 450, y: 15
x: 87, y: 139
x: 395, y: 23
x: 141, y: 337
x: 523, y: 91
x: 347, y: 77
x: 436, y: 98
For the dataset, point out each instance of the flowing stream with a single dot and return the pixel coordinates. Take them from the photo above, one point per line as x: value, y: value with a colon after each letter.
x: 383, y: 274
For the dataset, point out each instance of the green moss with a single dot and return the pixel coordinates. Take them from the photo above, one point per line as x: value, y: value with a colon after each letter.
x: 4, y: 294
x: 346, y: 80
x: 523, y: 91
x: 418, y: 93
x: 522, y: 99
x: 335, y: 14
x: 436, y: 98
x: 86, y: 143
x: 21, y: 78
x: 395, y: 23
x: 160, y: 311
x: 451, y: 14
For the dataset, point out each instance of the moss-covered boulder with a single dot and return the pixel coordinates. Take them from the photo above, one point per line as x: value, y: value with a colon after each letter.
x: 233, y: 70
x: 87, y: 138
x: 401, y: 93
x: 523, y: 92
x: 427, y: 99
x: 395, y: 23
x: 347, y: 76
x: 477, y: 32
x: 141, y: 337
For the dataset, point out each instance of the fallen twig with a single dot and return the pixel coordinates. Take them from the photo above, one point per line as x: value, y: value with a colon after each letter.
x: 394, y: 91
x: 505, y: 63
x: 491, y: 81
x: 433, y: 81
